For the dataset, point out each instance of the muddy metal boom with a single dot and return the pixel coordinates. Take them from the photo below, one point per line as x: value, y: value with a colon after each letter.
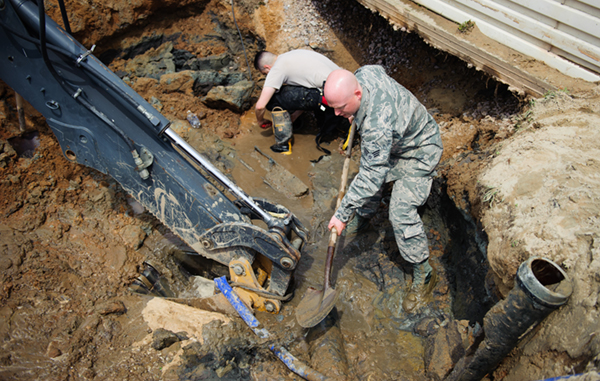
x: 102, y: 123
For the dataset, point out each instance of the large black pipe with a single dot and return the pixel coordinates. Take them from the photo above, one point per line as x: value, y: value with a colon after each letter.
x: 541, y: 286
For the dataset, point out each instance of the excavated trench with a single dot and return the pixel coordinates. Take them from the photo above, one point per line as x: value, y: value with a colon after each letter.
x: 456, y: 95
x: 367, y: 336
x: 448, y: 88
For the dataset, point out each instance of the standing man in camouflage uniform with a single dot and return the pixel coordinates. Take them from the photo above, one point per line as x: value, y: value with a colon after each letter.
x: 294, y: 83
x: 400, y: 143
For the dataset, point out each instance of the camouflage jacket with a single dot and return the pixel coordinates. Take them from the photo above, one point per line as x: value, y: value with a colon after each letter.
x: 398, y: 138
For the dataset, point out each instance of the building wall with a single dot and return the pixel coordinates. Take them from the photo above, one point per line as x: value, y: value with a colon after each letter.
x: 562, y: 33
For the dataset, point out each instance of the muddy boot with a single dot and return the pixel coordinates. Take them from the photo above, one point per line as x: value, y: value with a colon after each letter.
x: 424, y: 280
x: 285, y: 149
x: 282, y: 130
x: 358, y: 224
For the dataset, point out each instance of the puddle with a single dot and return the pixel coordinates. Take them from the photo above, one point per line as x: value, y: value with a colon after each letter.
x: 252, y: 177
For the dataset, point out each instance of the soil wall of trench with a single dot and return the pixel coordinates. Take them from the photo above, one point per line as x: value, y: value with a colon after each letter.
x: 519, y: 178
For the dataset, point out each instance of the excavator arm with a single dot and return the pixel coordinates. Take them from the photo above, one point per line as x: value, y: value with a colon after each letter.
x: 102, y: 123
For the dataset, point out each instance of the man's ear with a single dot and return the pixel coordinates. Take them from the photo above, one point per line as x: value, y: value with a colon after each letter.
x: 358, y: 93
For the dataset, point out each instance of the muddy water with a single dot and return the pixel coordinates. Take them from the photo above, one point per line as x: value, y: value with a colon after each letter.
x: 379, y: 339
x: 298, y: 163
x: 368, y: 314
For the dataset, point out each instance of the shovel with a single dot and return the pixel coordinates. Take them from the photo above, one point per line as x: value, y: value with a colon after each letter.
x: 316, y: 305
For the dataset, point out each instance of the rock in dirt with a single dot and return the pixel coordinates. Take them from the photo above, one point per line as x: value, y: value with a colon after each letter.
x: 182, y: 82
x: 5, y: 264
x: 133, y: 236
x: 279, y: 178
x: 111, y: 307
x: 215, y: 62
x: 427, y: 327
x: 163, y: 338
x: 444, y: 349
x: 235, y: 97
x: 175, y: 317
x: 53, y: 351
x: 6, y: 153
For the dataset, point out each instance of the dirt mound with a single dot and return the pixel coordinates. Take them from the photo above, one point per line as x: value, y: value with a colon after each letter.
x: 542, y: 191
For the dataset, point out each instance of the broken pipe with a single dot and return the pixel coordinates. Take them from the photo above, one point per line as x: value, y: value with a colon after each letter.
x: 541, y: 286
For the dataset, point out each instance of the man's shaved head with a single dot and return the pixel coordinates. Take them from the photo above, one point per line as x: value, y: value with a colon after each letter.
x: 343, y: 92
x: 264, y: 58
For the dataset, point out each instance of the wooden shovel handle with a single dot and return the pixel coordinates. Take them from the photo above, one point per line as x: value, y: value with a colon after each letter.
x: 334, y: 234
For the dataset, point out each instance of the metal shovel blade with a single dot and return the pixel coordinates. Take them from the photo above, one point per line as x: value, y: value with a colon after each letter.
x: 315, y: 306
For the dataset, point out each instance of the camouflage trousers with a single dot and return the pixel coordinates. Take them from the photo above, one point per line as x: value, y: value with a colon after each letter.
x: 408, y: 193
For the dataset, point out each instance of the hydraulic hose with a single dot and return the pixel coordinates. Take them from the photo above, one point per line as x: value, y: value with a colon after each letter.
x: 63, y: 13
x: 282, y: 354
x: 241, y: 40
x: 59, y: 79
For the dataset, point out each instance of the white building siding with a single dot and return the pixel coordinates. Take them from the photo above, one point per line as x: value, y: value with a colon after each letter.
x: 563, y: 34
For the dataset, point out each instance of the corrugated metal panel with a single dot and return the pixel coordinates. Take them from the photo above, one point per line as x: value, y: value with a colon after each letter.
x: 560, y: 13
x: 542, y: 29
x: 442, y: 33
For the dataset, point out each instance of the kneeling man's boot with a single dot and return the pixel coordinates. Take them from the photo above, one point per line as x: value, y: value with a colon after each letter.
x: 285, y: 148
x: 424, y: 281
x: 282, y: 130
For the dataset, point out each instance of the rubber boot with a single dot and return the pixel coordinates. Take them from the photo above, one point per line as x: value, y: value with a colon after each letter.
x: 285, y: 149
x: 424, y: 280
x: 282, y: 130
x: 357, y: 224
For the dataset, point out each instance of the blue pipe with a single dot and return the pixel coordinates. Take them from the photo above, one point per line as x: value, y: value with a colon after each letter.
x: 236, y: 302
x: 282, y: 354
x: 296, y: 365
x: 567, y: 377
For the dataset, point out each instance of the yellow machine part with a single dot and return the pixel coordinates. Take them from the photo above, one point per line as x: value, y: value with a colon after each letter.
x: 254, y: 277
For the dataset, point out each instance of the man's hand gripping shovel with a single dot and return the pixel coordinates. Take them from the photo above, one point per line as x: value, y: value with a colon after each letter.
x: 316, y: 304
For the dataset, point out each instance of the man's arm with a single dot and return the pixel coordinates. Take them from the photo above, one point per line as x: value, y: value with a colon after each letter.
x: 376, y: 145
x: 261, y: 105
